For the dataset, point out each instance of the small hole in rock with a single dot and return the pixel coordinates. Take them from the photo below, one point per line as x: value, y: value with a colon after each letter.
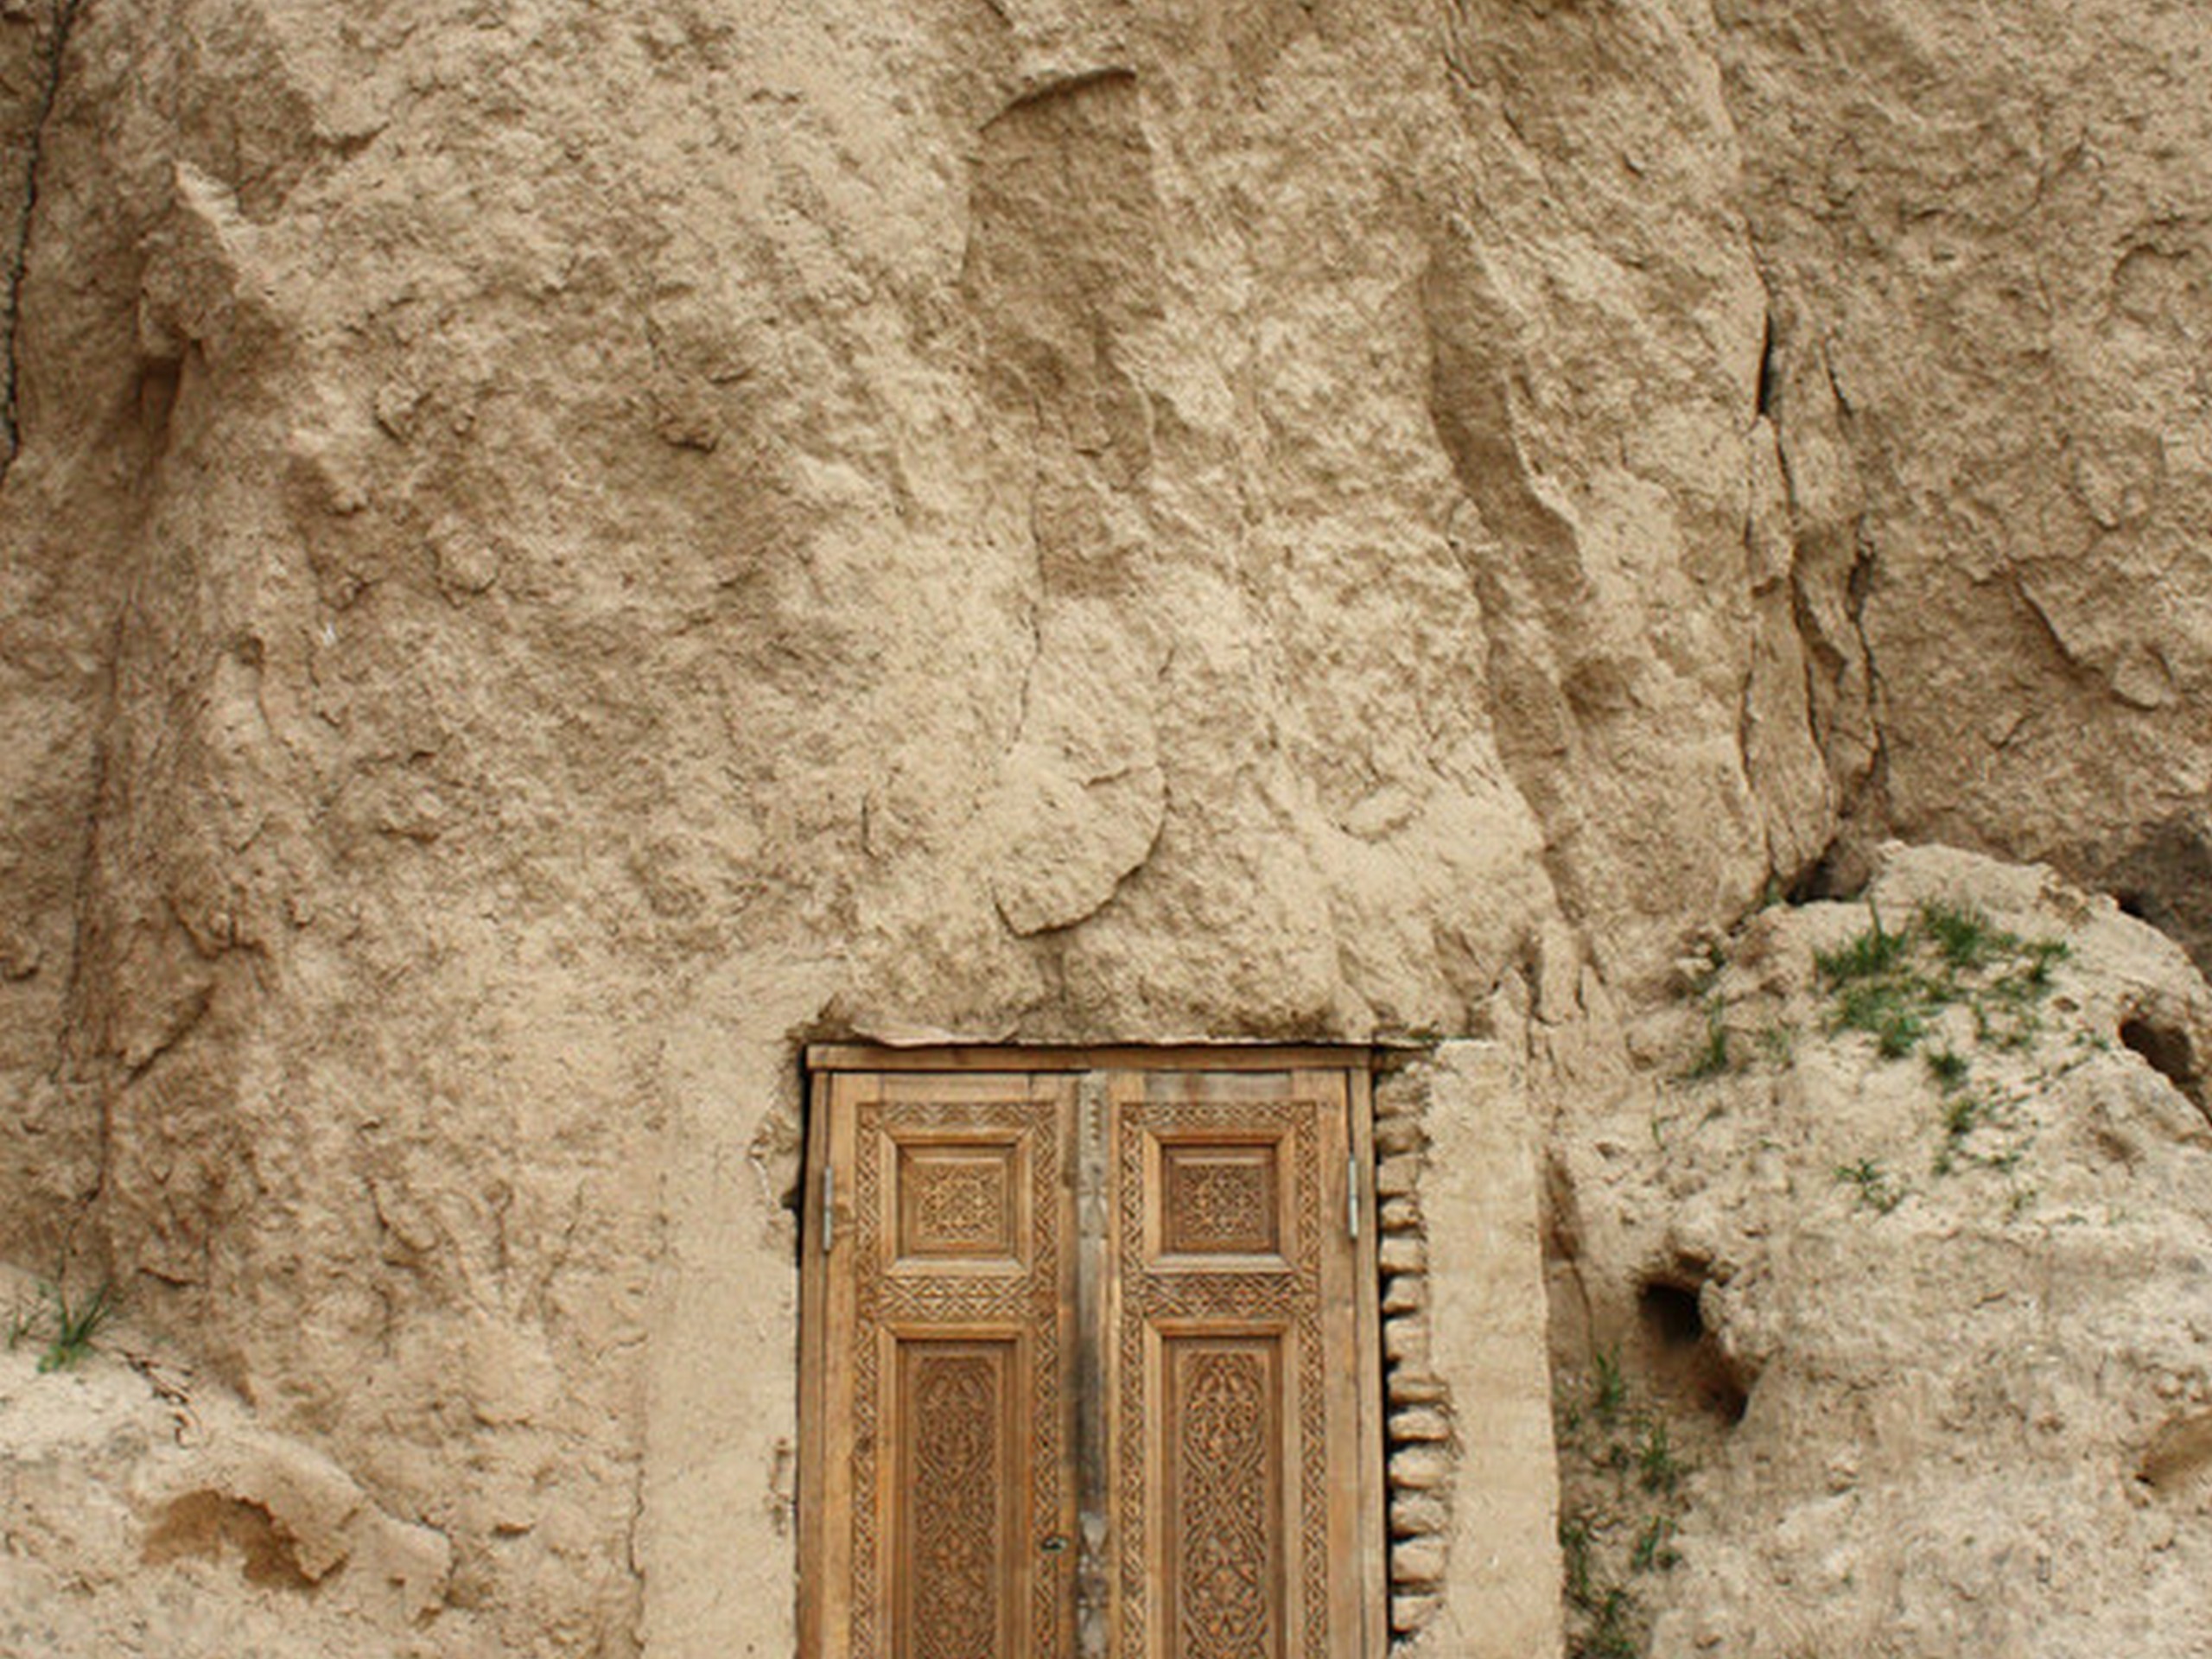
x: 2169, y: 1052
x: 1671, y: 1314
x: 1724, y: 1397
x: 2166, y: 1048
x: 1689, y: 1362
x: 2132, y: 904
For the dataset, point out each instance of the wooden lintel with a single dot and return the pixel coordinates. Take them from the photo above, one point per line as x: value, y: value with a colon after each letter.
x: 1182, y: 1057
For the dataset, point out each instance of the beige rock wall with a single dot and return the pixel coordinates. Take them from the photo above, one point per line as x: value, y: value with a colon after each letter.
x: 51, y: 652
x: 557, y: 552
x: 1984, y: 233
x: 148, y: 1511
x: 1948, y: 1389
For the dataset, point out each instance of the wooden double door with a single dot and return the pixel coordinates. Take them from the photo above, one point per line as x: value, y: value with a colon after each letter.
x: 1089, y: 1359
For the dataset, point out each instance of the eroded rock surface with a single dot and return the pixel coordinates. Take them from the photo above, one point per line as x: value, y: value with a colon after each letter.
x: 1924, y: 1335
x: 148, y: 1511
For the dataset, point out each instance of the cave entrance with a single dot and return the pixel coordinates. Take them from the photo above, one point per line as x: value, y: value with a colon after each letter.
x: 1090, y: 1367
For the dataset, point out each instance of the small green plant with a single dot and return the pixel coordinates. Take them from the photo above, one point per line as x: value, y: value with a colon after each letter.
x: 1964, y: 1114
x: 1867, y: 955
x: 1965, y: 936
x: 1611, y: 1634
x: 1894, y: 1037
x: 1949, y: 1069
x: 1711, y: 1059
x: 2006, y: 1018
x: 66, y: 1324
x: 2044, y: 956
x: 1657, y: 1468
x: 1654, y: 1551
x: 1876, y: 1192
x: 1711, y: 963
x: 1892, y: 1012
x: 1777, y: 1044
x: 1608, y: 1388
x: 1574, y: 1551
x: 75, y: 1324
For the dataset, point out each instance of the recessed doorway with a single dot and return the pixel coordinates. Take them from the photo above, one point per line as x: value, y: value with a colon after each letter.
x: 1089, y: 1359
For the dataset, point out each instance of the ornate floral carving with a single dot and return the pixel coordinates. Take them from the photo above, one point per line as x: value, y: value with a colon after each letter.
x: 1219, y: 1199
x: 953, y: 1491
x: 1293, y: 1295
x: 1223, y: 1497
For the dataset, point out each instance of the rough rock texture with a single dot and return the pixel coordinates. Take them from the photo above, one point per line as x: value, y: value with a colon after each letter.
x: 1985, y: 232
x: 147, y: 1511
x: 1944, y: 1389
x: 554, y: 552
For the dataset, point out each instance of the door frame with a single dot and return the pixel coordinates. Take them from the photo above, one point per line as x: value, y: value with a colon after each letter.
x: 818, y: 1484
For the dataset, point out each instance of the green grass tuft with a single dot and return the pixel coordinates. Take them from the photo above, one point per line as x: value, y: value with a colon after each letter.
x: 1574, y: 1548
x: 1713, y: 1060
x: 1949, y: 1069
x: 1893, y: 1011
x: 1611, y: 1634
x: 1608, y: 1388
x: 66, y: 1324
x: 75, y: 1326
x: 1654, y: 1552
x: 1657, y: 1468
x: 1876, y: 1191
x: 1963, y: 1115
x: 1868, y: 956
x: 1965, y: 936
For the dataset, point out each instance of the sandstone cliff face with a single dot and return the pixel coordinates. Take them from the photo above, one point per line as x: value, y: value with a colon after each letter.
x: 1985, y: 237
x: 552, y: 553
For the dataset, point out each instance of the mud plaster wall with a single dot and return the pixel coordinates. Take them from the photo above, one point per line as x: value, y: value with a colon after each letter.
x: 1472, y: 1485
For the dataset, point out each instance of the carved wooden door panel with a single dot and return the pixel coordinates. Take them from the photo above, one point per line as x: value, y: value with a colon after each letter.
x: 942, y: 1291
x: 1090, y: 1368
x: 1239, y: 1351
